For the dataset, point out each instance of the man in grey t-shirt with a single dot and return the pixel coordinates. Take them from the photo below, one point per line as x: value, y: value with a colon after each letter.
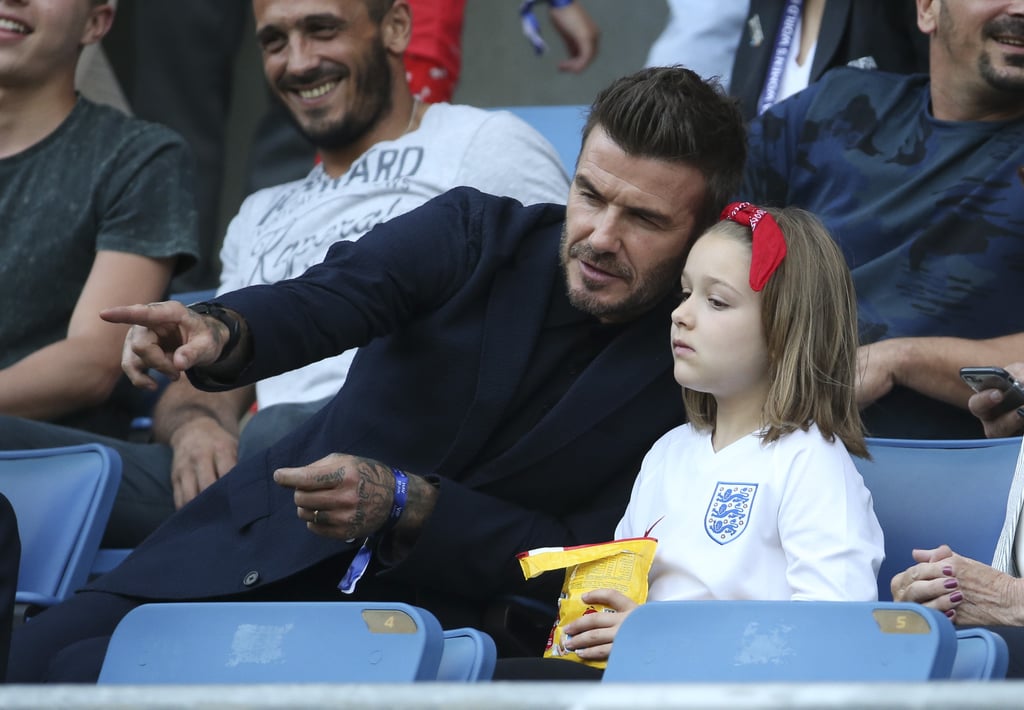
x: 96, y: 208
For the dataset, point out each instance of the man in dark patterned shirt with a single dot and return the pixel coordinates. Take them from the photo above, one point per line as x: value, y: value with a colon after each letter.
x: 916, y: 177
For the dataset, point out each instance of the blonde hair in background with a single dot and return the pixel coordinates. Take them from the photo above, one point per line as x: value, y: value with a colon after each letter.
x: 809, y: 312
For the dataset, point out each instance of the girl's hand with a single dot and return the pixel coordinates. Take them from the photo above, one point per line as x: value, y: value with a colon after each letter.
x: 591, y: 635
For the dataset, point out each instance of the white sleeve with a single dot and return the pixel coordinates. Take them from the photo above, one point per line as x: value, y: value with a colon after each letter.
x: 627, y: 526
x: 637, y: 517
x: 827, y: 526
x: 521, y: 163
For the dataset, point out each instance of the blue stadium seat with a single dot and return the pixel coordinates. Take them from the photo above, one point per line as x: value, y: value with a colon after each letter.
x: 188, y: 297
x: 289, y: 642
x: 980, y: 655
x: 942, y: 443
x: 792, y: 641
x: 62, y: 498
x: 928, y: 493
x: 107, y: 558
x: 469, y: 655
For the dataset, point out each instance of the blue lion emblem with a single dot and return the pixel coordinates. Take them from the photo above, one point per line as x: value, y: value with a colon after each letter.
x: 729, y: 510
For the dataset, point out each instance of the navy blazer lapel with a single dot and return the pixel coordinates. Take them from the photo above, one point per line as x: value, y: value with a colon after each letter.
x: 830, y: 36
x: 754, y: 53
x: 515, y: 311
x: 630, y: 363
x: 757, y: 46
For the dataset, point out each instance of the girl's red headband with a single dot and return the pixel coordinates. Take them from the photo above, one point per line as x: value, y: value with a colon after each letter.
x: 768, y: 247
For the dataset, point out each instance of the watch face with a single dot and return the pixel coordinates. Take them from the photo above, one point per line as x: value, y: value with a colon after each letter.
x: 205, y: 308
x: 234, y: 326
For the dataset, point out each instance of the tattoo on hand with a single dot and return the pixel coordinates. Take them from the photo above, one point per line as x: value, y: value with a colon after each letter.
x: 374, y: 489
x: 335, y: 476
x: 375, y: 492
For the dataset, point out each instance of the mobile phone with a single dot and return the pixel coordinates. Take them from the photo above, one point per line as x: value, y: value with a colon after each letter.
x: 985, y: 378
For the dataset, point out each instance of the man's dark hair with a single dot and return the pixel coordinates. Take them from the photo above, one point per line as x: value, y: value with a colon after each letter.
x: 670, y: 113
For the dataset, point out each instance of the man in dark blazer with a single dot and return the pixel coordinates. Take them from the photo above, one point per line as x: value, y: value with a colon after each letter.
x: 873, y: 34
x: 10, y: 560
x: 514, y: 367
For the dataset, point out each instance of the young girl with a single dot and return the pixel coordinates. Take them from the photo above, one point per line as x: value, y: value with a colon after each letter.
x: 757, y: 497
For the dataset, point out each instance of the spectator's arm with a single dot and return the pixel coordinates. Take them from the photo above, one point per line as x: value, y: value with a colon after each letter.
x: 202, y: 429
x: 930, y: 366
x: 580, y: 34
x: 967, y: 591
x: 81, y: 370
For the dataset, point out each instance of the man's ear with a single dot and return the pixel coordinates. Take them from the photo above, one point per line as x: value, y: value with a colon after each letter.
x: 396, y: 27
x: 101, y: 17
x: 928, y: 15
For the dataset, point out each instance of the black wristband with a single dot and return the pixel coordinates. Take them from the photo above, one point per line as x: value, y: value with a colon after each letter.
x: 216, y: 310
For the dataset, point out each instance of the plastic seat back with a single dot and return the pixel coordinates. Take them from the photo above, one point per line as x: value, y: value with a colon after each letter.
x: 62, y: 498
x: 107, y: 558
x: 274, y: 642
x: 791, y: 641
x: 980, y: 655
x: 469, y: 655
x: 930, y: 493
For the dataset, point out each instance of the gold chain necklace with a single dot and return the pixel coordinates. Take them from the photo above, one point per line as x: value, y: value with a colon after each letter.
x: 412, y: 115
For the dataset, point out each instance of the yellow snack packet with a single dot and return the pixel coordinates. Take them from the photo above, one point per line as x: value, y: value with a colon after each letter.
x: 621, y: 565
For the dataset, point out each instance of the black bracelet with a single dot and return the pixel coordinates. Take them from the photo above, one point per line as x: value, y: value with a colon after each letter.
x: 216, y: 310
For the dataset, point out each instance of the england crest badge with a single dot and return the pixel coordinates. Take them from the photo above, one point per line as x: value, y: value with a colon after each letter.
x: 729, y: 510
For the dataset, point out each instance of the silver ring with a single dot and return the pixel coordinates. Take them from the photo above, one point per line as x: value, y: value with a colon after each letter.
x: 316, y: 517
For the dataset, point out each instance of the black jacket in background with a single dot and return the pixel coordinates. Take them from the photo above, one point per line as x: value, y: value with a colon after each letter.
x: 885, y: 30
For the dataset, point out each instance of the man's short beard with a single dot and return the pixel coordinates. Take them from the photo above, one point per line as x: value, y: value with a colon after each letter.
x: 649, y: 289
x: 1010, y: 83
x: 345, y: 132
x: 373, y: 89
x: 1007, y: 80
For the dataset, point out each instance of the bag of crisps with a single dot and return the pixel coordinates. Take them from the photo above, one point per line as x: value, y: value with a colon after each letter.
x: 621, y: 565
